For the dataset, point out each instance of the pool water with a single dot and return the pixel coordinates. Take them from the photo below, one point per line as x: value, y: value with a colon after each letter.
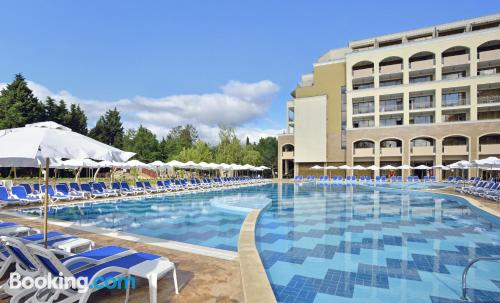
x: 363, y: 244
x: 190, y: 218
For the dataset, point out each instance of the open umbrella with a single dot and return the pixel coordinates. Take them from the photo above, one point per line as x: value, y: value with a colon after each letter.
x: 345, y: 167
x: 373, y: 167
x: 331, y: 167
x: 422, y: 167
x: 316, y: 167
x: 359, y: 167
x: 443, y: 167
x: 47, y: 140
x: 404, y: 166
x: 388, y: 167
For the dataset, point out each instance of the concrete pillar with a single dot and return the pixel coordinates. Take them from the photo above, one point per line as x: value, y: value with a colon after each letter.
x: 406, y: 71
x: 437, y: 104
x: 376, y: 75
x: 473, y: 62
x: 377, y: 110
x: 348, y: 111
x: 406, y: 108
x: 439, y: 157
x: 406, y: 157
x: 280, y: 168
x: 439, y: 65
x: 376, y: 159
x: 473, y: 102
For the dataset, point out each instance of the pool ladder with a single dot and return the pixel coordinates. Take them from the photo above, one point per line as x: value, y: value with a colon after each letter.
x: 466, y: 270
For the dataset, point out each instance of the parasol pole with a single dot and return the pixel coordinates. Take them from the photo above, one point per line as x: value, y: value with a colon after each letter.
x: 46, y: 201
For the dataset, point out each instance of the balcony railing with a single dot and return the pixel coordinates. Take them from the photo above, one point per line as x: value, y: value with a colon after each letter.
x: 422, y: 64
x: 423, y: 150
x: 422, y: 105
x: 366, y: 109
x: 361, y: 73
x: 391, y: 108
x: 459, y: 102
x: 488, y: 99
x: 391, y: 69
x: 456, y: 60
x: 488, y: 55
x: 455, y: 150
x: 391, y: 151
x: 364, y: 152
x: 490, y: 149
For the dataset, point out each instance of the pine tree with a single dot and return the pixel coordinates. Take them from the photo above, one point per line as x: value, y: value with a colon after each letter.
x: 50, y: 109
x: 18, y: 105
x: 76, y: 119
x: 145, y: 145
x: 109, y: 128
x: 61, y: 112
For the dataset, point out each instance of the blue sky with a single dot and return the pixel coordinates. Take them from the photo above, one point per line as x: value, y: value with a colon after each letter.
x: 153, y: 59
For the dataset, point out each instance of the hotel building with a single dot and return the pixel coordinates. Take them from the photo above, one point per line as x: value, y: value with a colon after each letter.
x: 427, y: 96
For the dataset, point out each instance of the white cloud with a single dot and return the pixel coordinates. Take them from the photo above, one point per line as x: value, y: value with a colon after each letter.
x: 237, y: 104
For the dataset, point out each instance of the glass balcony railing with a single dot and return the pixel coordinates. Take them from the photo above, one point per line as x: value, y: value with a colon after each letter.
x: 363, y: 109
x: 422, y: 105
x: 454, y: 102
x: 488, y: 99
x: 391, y: 107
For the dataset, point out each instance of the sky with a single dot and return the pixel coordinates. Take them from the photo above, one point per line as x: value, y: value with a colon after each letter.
x: 168, y: 63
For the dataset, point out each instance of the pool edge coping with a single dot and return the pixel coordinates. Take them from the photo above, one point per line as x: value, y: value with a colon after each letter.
x: 254, y: 280
x: 157, y: 242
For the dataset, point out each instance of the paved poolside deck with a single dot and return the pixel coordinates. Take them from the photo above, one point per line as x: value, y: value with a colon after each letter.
x: 201, y: 278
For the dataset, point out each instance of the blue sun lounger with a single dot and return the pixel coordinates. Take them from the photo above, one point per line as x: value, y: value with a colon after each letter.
x: 96, y: 269
x: 20, y: 193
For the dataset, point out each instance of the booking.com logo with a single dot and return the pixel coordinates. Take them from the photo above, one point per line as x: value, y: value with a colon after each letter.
x: 49, y: 281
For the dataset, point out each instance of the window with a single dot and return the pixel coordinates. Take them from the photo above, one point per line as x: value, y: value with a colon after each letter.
x: 421, y: 119
x: 455, y: 117
x: 421, y: 102
x: 363, y: 107
x: 390, y: 143
x: 364, y: 144
x: 454, y: 99
x: 454, y: 75
x: 362, y: 86
x: 363, y: 123
x: 391, y: 121
x: 422, y: 142
x: 391, y: 82
x: 391, y: 105
x: 420, y: 79
x: 488, y: 71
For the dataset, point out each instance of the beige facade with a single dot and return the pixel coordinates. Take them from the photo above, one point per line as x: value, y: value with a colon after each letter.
x: 429, y: 96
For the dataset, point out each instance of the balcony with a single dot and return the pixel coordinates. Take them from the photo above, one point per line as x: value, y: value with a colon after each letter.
x: 391, y: 69
x: 422, y: 64
x: 362, y: 73
x: 287, y: 155
x: 455, y: 150
x: 488, y: 99
x: 390, y: 151
x: 456, y: 60
x: 490, y: 149
x: 364, y: 152
x: 363, y: 108
x: 458, y: 102
x: 489, y: 55
x: 422, y: 150
x: 421, y: 105
x: 391, y: 107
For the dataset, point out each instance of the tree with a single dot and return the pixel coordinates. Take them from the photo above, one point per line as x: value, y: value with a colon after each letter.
x: 109, y: 129
x: 50, y: 109
x: 178, y: 139
x: 18, y: 105
x: 199, y: 152
x: 144, y: 144
x: 61, y: 112
x: 76, y: 119
x: 268, y: 149
x: 229, y: 149
x: 251, y: 155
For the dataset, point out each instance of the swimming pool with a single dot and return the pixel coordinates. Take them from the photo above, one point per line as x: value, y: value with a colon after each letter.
x: 361, y: 244
x: 211, y: 218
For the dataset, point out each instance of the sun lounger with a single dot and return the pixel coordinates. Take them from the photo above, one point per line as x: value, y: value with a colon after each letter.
x: 64, y: 189
x: 6, y: 198
x: 88, y: 190
x: 126, y: 188
x: 20, y: 193
x: 135, y: 263
x: 97, y: 187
